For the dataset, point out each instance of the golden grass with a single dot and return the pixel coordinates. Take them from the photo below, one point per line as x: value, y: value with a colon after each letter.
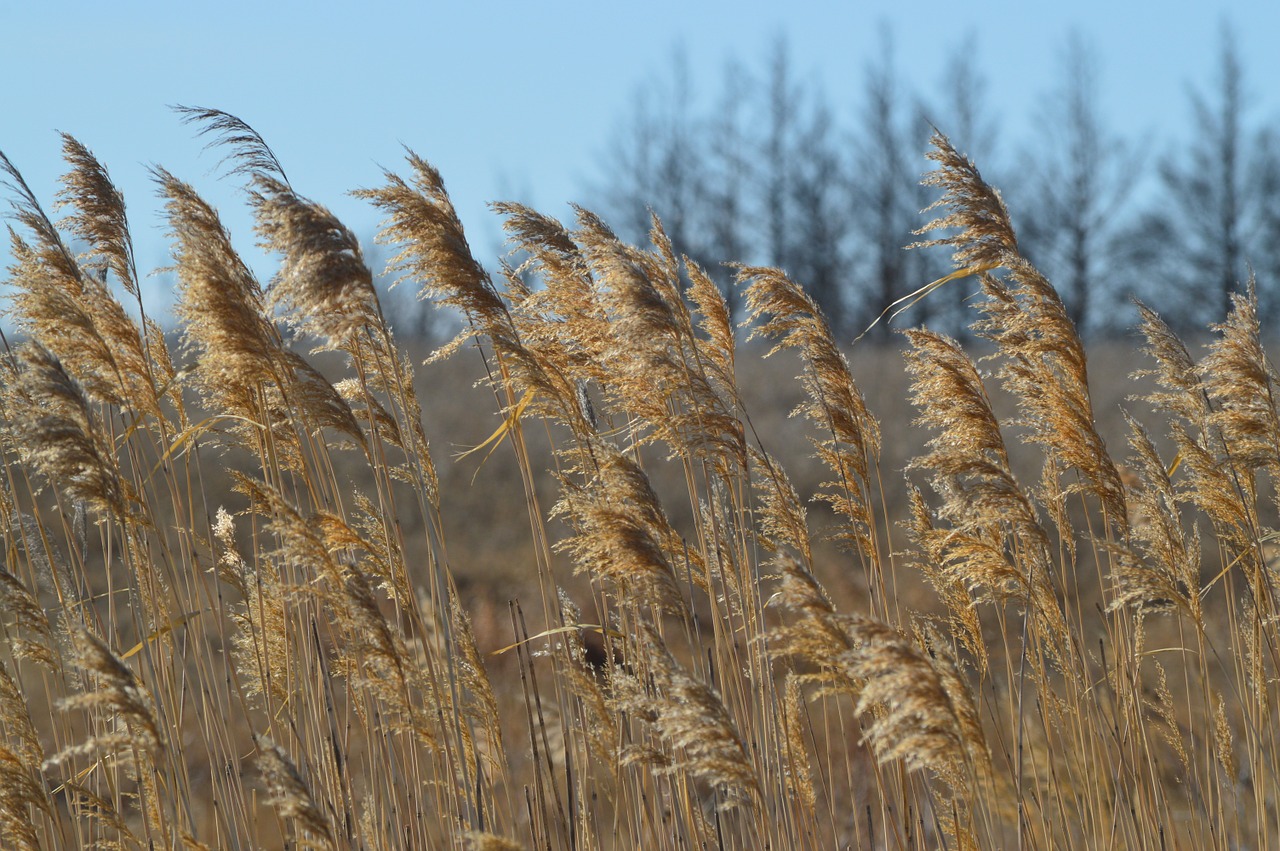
x: 232, y: 618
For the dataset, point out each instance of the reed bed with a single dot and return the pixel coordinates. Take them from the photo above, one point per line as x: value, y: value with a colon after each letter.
x: 231, y: 617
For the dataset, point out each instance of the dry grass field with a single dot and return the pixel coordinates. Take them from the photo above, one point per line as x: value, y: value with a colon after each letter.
x: 607, y: 571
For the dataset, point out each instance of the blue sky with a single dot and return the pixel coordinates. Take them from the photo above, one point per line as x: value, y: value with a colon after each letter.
x: 519, y: 100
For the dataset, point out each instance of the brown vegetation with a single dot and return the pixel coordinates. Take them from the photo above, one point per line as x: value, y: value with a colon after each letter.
x: 244, y: 608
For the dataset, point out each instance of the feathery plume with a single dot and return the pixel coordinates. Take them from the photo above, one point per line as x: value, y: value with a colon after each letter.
x: 984, y: 237
x: 322, y: 274
x: 19, y: 730
x: 435, y: 253
x: 98, y: 213
x: 53, y: 429
x: 27, y: 616
x: 1044, y: 364
x: 1238, y: 377
x: 220, y: 302
x: 260, y: 645
x: 1168, y: 573
x: 289, y: 793
x: 121, y: 696
x: 1181, y: 392
x: 993, y: 540
x: 719, y: 343
x: 68, y: 308
x: 621, y: 532
x: 784, y: 313
x: 249, y: 151
x: 922, y: 712
x: 20, y: 792
x: 692, y: 721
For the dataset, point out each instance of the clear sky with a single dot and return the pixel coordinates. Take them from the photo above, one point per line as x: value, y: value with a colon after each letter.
x: 518, y: 100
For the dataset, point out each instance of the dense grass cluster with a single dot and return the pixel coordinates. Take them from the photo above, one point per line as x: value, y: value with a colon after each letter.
x: 232, y: 620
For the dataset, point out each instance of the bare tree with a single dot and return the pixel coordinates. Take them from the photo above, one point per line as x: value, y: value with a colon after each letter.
x: 820, y: 219
x: 1219, y: 213
x: 656, y: 164
x: 883, y: 185
x: 781, y: 105
x: 1083, y: 178
x: 962, y: 105
x: 727, y: 187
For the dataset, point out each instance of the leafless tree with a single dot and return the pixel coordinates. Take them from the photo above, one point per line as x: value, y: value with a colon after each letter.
x: 780, y: 107
x: 727, y: 188
x: 1083, y: 177
x: 883, y: 184
x: 655, y: 162
x: 1218, y: 214
x: 819, y: 227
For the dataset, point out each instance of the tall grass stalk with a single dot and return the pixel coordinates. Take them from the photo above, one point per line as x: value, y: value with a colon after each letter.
x: 232, y: 618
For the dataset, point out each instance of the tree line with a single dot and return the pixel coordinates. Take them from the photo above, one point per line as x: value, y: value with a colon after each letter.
x: 768, y: 174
